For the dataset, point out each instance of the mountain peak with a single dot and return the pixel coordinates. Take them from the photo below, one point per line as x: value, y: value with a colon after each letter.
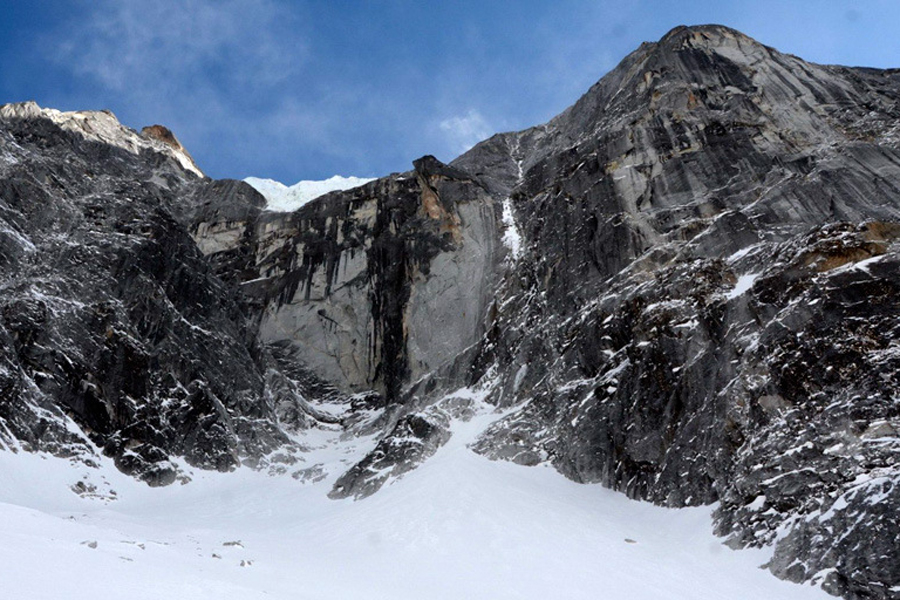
x: 713, y: 39
x: 692, y: 77
x: 708, y: 33
x: 103, y: 126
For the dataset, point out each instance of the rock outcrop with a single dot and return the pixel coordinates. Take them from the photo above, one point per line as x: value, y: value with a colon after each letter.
x: 684, y: 287
x: 116, y: 334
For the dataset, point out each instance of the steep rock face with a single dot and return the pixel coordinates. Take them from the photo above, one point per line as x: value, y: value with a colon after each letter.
x: 375, y: 286
x: 365, y: 290
x: 711, y: 252
x: 110, y: 318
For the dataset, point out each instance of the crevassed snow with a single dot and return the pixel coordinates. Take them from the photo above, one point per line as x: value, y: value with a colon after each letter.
x: 283, y: 198
x: 459, y: 526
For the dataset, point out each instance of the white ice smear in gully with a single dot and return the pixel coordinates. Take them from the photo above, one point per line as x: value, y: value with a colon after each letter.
x: 283, y: 198
x: 512, y: 239
x: 743, y: 285
x: 460, y: 526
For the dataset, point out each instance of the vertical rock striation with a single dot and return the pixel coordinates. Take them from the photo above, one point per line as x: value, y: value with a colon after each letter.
x: 380, y: 285
x: 704, y: 311
x: 111, y: 319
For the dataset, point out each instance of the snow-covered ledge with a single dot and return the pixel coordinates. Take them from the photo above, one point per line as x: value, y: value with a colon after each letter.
x: 283, y: 198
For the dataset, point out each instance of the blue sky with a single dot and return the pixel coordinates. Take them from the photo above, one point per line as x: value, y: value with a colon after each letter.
x: 308, y: 89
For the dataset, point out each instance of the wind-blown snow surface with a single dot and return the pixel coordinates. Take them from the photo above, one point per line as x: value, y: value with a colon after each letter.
x: 460, y: 526
x: 282, y: 198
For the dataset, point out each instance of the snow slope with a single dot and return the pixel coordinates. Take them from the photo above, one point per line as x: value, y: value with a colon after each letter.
x: 282, y: 198
x: 460, y: 526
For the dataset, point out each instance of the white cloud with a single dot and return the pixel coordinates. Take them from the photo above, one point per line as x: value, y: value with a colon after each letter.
x: 219, y: 73
x: 465, y: 131
x: 144, y: 46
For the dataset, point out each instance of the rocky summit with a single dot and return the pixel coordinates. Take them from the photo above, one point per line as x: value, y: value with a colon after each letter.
x: 685, y: 287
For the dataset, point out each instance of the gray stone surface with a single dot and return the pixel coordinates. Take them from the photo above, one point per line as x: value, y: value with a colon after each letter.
x: 705, y: 309
x: 116, y: 334
x: 380, y: 285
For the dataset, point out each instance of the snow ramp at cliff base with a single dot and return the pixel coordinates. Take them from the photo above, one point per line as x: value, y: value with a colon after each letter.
x: 460, y: 526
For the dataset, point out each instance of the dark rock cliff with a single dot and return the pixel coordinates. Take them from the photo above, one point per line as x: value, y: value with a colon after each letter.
x: 111, y: 319
x: 683, y: 287
x: 704, y: 311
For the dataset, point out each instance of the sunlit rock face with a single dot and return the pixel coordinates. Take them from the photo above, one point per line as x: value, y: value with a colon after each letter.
x: 684, y: 287
x: 381, y: 285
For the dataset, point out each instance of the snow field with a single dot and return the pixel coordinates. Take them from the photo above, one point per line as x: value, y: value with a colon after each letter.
x: 459, y: 526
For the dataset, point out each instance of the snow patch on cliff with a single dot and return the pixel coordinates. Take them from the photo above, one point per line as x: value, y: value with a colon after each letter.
x: 283, y: 198
x: 743, y: 285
